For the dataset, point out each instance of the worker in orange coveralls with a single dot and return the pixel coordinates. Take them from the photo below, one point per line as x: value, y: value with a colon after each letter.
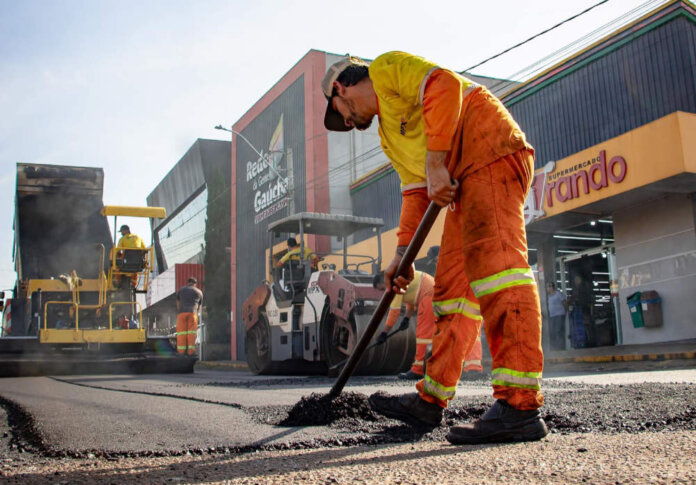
x: 452, y: 142
x: 419, y: 295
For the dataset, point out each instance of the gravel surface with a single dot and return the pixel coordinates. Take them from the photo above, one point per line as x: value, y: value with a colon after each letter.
x: 650, y: 458
x: 637, y: 433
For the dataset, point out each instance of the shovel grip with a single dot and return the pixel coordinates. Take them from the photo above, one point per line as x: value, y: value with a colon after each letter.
x: 407, y: 260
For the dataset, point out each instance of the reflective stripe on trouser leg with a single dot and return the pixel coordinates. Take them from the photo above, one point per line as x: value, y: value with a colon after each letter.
x: 425, y: 328
x: 192, y: 332
x: 181, y: 333
x: 496, y: 262
x: 472, y: 361
x: 458, y: 318
x: 186, y: 329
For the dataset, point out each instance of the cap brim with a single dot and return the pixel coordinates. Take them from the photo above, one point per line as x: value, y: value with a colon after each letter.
x: 333, y: 120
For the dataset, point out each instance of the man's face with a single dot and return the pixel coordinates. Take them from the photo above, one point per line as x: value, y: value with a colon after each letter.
x: 550, y: 289
x: 354, y: 112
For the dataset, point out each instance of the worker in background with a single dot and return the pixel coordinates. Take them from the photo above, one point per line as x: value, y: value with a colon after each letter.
x: 293, y: 254
x: 453, y: 143
x: 419, y: 295
x: 188, y: 304
x: 129, y: 241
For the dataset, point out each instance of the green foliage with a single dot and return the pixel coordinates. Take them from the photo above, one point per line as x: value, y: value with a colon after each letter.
x: 217, y: 265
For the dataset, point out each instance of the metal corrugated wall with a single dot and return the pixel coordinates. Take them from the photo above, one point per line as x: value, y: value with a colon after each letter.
x: 645, y: 79
x: 252, y: 233
x: 182, y: 272
x: 381, y: 198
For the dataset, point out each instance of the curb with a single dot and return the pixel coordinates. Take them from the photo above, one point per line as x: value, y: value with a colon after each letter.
x: 587, y: 359
x: 226, y: 365
x: 622, y: 358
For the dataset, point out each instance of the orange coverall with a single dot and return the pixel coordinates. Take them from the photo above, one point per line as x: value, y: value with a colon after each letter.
x: 421, y: 298
x: 482, y: 273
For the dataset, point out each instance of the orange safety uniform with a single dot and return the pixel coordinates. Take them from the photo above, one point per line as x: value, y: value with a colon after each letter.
x: 419, y: 295
x: 482, y: 273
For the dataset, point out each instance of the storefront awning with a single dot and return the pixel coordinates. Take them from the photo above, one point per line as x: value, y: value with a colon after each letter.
x: 657, y: 159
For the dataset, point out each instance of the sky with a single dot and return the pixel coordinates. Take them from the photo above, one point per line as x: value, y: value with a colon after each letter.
x: 130, y: 85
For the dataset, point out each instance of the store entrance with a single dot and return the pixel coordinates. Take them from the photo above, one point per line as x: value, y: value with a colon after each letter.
x: 586, y: 280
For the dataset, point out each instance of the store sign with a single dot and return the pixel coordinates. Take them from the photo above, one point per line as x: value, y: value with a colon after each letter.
x: 264, y: 174
x: 558, y: 184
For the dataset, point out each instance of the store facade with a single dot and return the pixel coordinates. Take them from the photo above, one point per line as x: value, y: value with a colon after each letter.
x: 616, y: 219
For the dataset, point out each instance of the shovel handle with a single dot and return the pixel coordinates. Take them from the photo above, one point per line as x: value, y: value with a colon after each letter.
x: 407, y: 260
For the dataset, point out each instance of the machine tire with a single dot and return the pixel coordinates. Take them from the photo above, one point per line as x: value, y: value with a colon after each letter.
x: 258, y: 347
x: 394, y: 356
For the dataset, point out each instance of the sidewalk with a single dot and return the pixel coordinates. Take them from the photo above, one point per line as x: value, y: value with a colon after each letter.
x: 683, y: 349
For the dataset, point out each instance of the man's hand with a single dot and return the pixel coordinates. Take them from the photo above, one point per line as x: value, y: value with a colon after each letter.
x: 404, y: 323
x: 441, y: 188
x: 400, y: 283
x: 382, y: 337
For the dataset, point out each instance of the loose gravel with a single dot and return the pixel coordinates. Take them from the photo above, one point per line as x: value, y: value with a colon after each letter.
x: 640, y: 425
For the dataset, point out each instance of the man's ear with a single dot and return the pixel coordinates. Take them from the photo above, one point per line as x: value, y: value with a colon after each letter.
x: 340, y: 88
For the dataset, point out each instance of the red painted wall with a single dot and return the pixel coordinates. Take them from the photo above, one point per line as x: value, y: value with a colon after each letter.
x: 313, y: 67
x: 182, y: 272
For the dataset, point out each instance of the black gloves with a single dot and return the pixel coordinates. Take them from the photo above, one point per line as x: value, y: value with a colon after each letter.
x: 382, y: 337
x: 404, y: 323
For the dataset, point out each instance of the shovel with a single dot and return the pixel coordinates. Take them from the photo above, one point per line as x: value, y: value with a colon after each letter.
x: 406, y: 261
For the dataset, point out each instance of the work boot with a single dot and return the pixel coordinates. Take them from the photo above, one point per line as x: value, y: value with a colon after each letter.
x: 500, y: 424
x: 410, y: 376
x: 409, y: 408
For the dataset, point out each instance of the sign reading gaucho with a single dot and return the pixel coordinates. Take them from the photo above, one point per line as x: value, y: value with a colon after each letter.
x: 558, y: 185
x: 264, y: 174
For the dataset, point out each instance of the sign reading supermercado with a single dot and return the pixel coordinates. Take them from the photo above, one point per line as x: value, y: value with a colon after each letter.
x: 264, y: 175
x: 552, y: 184
x: 649, y: 154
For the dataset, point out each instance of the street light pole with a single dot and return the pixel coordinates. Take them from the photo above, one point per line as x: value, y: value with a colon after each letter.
x: 261, y: 155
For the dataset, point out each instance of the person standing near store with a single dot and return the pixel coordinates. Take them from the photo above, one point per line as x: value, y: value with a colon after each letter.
x: 188, y: 303
x: 453, y: 143
x: 558, y: 306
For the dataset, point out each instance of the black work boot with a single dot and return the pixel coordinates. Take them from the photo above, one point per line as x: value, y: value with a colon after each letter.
x: 410, y: 376
x: 409, y: 408
x: 500, y: 424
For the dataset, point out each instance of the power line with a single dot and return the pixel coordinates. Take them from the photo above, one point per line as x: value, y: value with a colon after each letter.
x: 535, y: 36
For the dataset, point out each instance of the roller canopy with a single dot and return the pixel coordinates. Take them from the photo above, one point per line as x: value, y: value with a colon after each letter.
x: 324, y: 224
x: 120, y: 210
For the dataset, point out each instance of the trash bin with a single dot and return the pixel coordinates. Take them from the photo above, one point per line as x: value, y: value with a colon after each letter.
x: 635, y: 310
x: 651, y: 307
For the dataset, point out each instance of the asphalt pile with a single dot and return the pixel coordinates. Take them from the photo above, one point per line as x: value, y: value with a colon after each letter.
x: 320, y: 410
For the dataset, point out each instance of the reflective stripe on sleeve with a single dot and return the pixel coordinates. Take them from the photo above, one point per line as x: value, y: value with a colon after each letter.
x: 514, y: 378
x: 418, y: 363
x: 425, y: 341
x: 438, y: 390
x: 502, y: 280
x: 457, y: 305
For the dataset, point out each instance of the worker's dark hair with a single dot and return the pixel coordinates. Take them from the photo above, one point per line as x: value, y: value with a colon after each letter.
x: 352, y: 75
x: 192, y: 280
x: 292, y: 242
x: 378, y: 279
x: 551, y: 285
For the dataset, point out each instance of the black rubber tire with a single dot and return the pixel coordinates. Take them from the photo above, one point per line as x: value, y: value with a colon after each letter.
x: 258, y: 347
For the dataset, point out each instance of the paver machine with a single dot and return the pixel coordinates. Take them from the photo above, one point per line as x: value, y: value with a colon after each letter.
x: 74, y: 307
x: 305, y: 320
